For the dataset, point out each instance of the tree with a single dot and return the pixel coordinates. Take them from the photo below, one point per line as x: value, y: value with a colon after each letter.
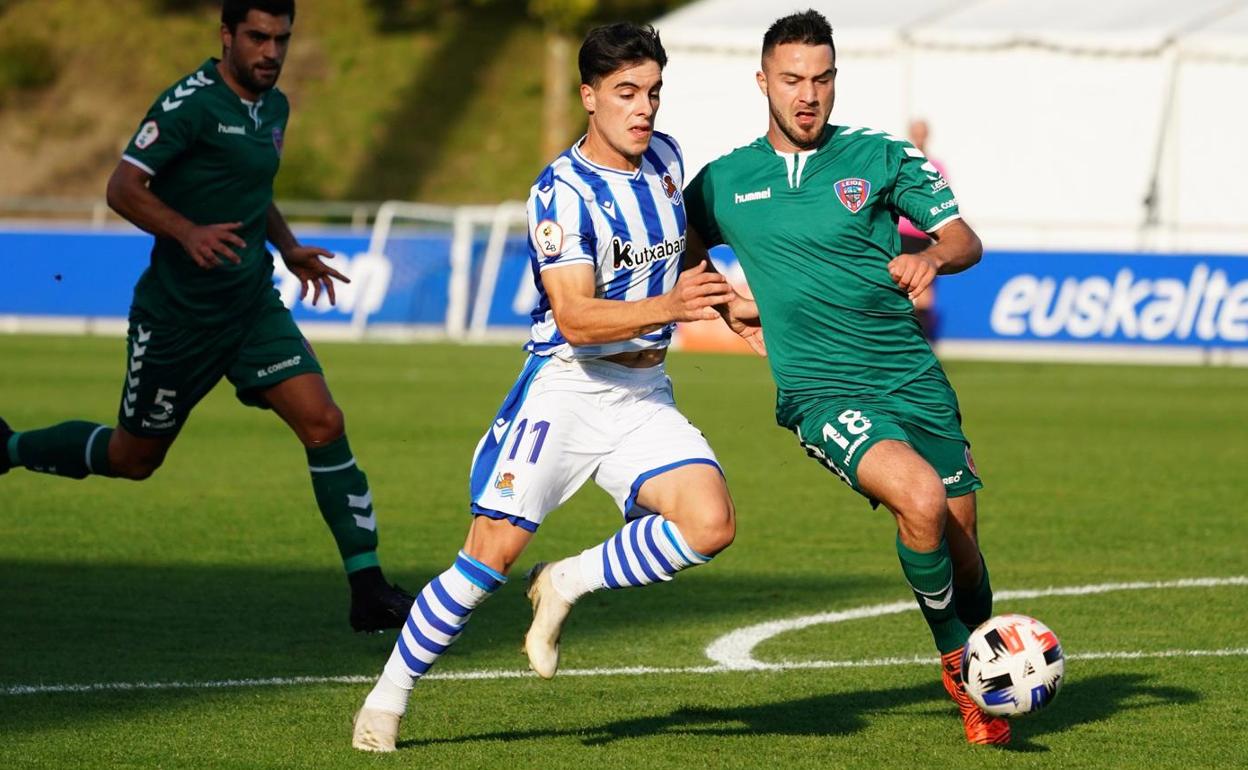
x: 561, y: 21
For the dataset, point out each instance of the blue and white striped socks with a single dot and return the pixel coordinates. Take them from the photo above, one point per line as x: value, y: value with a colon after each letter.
x: 645, y: 550
x: 437, y: 618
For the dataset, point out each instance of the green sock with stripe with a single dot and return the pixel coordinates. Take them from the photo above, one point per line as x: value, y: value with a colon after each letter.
x: 975, y: 604
x: 346, y: 503
x: 74, y: 449
x: 930, y: 575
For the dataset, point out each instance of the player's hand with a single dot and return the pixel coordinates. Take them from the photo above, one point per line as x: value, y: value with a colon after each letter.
x: 912, y: 273
x: 696, y: 294
x: 742, y: 317
x: 207, y: 245
x: 305, y: 262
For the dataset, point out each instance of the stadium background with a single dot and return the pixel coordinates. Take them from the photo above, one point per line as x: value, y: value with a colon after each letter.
x: 1091, y: 148
x: 197, y: 620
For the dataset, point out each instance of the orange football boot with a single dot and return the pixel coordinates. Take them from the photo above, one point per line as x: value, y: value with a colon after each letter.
x: 981, y: 728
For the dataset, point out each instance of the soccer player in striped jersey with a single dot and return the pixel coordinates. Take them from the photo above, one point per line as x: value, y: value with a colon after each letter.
x: 607, y: 247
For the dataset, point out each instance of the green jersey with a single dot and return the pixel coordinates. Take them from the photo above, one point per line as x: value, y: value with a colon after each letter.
x: 212, y: 156
x: 815, y: 231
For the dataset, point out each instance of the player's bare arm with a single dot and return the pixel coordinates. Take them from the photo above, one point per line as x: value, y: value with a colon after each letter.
x: 207, y: 245
x: 955, y: 248
x: 584, y: 319
x: 304, y: 261
x: 741, y: 314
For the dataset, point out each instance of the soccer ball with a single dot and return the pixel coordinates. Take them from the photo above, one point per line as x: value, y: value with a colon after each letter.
x: 1012, y: 665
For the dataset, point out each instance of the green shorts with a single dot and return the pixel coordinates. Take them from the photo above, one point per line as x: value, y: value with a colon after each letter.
x: 838, y: 430
x: 170, y: 368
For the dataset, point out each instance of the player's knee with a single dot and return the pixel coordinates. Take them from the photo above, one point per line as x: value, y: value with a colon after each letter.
x: 323, y: 426
x: 712, y: 529
x: 135, y: 468
x: 921, y: 505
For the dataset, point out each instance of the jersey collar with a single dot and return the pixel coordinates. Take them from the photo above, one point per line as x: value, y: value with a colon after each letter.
x: 580, y: 158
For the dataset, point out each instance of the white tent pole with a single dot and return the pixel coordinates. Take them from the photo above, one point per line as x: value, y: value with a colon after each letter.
x: 1152, y: 198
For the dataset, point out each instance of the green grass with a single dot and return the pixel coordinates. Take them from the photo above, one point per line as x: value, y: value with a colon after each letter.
x: 219, y: 568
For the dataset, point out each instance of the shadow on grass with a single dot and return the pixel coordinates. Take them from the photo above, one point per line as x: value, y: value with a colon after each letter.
x: 841, y: 714
x: 84, y: 624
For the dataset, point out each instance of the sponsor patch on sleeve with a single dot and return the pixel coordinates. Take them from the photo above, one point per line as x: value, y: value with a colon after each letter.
x: 147, y: 135
x: 548, y: 236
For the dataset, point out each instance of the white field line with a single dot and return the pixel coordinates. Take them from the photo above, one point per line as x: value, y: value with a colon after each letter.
x: 729, y: 645
x: 735, y: 650
x: 360, y: 679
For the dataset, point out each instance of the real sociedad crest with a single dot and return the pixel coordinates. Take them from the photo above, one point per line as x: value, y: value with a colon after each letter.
x: 853, y: 193
x: 671, y: 190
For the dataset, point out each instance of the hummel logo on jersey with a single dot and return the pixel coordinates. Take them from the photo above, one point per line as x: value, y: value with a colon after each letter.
x: 759, y: 195
x: 224, y: 129
x: 626, y: 255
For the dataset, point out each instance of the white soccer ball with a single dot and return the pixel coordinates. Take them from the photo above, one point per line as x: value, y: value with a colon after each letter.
x: 1012, y: 665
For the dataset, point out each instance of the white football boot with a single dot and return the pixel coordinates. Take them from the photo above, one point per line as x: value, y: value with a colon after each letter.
x: 375, y: 730
x: 550, y: 609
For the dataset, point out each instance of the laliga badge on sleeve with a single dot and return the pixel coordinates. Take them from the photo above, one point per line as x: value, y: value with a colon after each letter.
x: 548, y: 236
x: 147, y: 135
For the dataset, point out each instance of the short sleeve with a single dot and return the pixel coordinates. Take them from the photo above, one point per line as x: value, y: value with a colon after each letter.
x: 700, y: 208
x: 166, y: 131
x: 560, y: 229
x: 920, y: 192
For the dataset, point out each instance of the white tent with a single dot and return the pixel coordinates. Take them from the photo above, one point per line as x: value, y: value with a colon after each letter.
x: 1113, y: 124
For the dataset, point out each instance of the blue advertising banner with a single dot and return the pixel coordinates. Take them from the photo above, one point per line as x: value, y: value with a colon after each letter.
x: 91, y: 274
x: 1123, y: 299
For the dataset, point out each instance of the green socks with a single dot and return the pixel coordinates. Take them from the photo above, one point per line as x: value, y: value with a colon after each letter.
x: 975, y: 604
x: 930, y: 576
x: 346, y: 504
x: 75, y: 449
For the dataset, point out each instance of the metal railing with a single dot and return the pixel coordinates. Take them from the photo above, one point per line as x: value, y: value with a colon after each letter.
x: 358, y: 215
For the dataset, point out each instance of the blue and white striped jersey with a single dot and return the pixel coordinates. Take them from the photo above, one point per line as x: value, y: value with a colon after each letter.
x: 629, y: 226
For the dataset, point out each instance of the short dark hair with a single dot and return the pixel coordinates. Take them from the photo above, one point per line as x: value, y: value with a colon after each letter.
x: 611, y: 46
x: 808, y: 28
x: 234, y: 11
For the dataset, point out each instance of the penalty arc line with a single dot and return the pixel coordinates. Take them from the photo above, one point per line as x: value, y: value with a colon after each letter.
x: 732, y: 652
x: 735, y: 650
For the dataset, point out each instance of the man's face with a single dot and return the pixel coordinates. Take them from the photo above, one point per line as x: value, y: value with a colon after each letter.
x: 622, y: 106
x: 799, y: 82
x: 254, y: 52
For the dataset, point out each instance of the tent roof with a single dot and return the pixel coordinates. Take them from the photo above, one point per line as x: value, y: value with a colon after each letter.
x: 1104, y: 27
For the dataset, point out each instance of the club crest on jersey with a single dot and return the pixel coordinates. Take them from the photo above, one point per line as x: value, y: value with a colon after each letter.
x: 279, y: 139
x: 548, y: 236
x: 671, y: 190
x: 505, y: 483
x: 853, y: 193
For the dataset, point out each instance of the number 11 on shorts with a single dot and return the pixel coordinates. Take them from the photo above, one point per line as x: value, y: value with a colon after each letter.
x: 539, y: 430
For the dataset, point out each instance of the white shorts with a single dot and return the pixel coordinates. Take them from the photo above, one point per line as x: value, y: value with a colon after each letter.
x: 567, y: 421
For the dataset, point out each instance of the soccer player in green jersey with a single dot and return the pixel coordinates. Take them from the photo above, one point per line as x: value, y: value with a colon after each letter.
x: 811, y: 211
x: 198, y: 175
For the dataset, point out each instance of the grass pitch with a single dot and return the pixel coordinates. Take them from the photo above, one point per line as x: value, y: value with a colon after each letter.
x: 210, y: 597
